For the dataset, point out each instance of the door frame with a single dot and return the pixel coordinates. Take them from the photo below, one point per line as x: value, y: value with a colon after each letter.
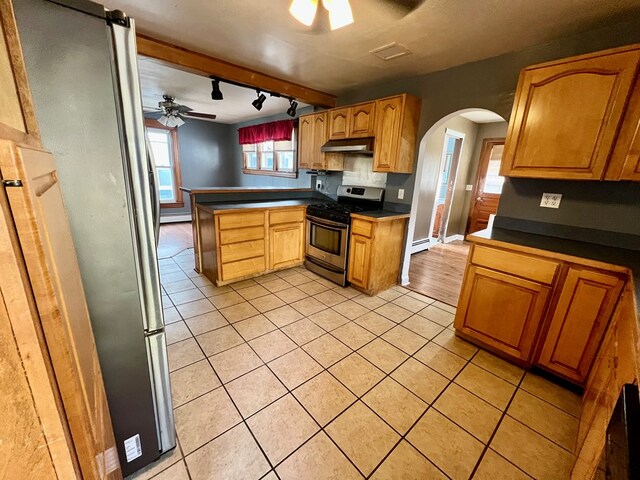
x: 482, y: 163
x: 448, y: 197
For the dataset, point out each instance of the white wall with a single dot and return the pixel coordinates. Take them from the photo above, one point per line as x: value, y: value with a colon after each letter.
x: 433, y: 156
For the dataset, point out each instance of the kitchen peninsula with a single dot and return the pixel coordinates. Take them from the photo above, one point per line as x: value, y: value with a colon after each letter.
x: 240, y: 233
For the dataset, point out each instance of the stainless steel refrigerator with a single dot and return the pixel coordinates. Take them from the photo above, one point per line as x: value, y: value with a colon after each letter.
x: 83, y: 73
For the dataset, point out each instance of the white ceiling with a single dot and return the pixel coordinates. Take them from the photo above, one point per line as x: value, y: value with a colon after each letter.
x: 195, y: 91
x: 482, y: 116
x: 262, y: 35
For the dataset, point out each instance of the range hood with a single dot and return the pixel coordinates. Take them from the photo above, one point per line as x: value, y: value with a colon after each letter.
x: 363, y: 146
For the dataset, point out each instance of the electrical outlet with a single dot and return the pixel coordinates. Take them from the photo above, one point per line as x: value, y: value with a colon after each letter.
x: 551, y: 200
x: 401, y: 194
x: 468, y: 188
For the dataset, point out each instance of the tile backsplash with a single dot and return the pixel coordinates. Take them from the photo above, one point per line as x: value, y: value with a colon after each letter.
x: 358, y: 170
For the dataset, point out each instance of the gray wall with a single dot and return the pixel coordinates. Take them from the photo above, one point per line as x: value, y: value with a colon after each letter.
x: 205, y: 159
x: 491, y: 84
x: 248, y: 180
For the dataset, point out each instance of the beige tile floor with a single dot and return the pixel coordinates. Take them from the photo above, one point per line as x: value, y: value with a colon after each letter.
x: 289, y: 376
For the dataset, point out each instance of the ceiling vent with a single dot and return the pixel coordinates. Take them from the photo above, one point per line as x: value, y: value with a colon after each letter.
x: 390, y: 51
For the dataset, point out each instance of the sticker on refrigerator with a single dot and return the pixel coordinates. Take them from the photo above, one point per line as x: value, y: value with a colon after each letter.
x: 132, y: 447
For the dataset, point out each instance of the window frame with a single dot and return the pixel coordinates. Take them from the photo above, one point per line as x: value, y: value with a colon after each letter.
x: 276, y: 172
x: 175, y: 160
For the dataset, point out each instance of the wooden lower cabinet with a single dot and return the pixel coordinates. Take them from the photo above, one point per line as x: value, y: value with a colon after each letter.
x: 238, y: 245
x: 537, y: 311
x: 286, y: 243
x: 501, y: 310
x: 375, y: 251
x: 579, y: 321
x: 359, y: 260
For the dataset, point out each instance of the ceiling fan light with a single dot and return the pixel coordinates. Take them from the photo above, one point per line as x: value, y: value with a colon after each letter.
x: 304, y: 11
x: 340, y: 14
x: 163, y: 120
x: 178, y: 122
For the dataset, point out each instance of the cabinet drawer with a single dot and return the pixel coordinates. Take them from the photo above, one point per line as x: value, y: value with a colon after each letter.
x: 240, y: 251
x: 286, y: 216
x: 525, y: 266
x: 239, y: 220
x: 360, y: 227
x: 241, y: 235
x: 243, y: 268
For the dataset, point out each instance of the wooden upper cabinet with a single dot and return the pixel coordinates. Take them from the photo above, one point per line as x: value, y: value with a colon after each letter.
x: 501, y: 310
x: 362, y: 120
x: 305, y: 142
x: 625, y: 159
x: 339, y: 123
x: 579, y: 321
x: 319, y: 139
x: 567, y: 114
x: 396, y: 126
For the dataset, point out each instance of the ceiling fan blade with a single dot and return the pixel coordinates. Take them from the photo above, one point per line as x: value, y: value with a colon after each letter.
x: 150, y: 109
x: 183, y: 108
x: 200, y: 116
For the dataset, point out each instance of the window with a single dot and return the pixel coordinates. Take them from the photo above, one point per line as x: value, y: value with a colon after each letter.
x: 277, y: 158
x: 164, y: 147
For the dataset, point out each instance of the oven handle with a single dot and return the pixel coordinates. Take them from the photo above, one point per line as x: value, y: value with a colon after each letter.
x: 327, y: 223
x: 324, y: 265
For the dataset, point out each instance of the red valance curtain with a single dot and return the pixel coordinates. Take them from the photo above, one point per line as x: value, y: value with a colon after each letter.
x: 277, y: 131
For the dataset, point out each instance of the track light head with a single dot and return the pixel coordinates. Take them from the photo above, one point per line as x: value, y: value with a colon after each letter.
x: 291, y: 111
x: 257, y: 103
x: 216, y: 94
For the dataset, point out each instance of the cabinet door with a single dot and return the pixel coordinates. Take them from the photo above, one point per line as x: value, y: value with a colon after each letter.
x: 501, y: 310
x: 305, y: 142
x: 319, y: 139
x: 359, y: 260
x: 388, y: 122
x: 362, y: 120
x: 579, y: 321
x: 625, y: 159
x: 566, y: 117
x: 286, y: 244
x: 338, y: 123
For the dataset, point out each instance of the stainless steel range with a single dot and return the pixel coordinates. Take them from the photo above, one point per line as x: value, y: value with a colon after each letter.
x: 328, y: 225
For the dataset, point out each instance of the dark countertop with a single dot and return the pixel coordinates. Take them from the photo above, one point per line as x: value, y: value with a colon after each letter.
x: 243, y: 189
x: 245, y: 204
x: 613, y: 256
x: 381, y: 214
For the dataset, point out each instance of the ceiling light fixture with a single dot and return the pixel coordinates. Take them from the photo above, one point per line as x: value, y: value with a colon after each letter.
x: 291, y: 111
x: 257, y: 103
x: 340, y: 14
x: 171, y: 121
x: 304, y: 11
x: 216, y: 94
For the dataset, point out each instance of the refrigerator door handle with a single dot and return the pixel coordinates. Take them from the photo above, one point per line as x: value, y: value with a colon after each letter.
x: 136, y: 169
x: 159, y: 370
x: 155, y: 190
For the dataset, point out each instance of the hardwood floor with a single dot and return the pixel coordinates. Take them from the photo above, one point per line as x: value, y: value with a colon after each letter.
x: 174, y: 238
x: 438, y: 272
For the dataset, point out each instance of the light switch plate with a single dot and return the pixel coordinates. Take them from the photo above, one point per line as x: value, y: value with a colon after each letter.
x: 400, y: 193
x: 468, y: 188
x: 551, y: 200
x: 318, y: 184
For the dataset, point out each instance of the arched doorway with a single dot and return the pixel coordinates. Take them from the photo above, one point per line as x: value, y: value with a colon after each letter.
x: 446, y: 184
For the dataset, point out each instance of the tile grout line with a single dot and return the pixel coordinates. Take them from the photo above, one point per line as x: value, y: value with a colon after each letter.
x: 360, y: 398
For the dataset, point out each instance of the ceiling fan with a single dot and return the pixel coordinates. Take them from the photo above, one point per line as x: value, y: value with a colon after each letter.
x: 339, y: 13
x: 173, y: 114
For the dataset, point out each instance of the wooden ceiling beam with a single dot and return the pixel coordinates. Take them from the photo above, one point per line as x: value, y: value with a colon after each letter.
x: 201, y: 64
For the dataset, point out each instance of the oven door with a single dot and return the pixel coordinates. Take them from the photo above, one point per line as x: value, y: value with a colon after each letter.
x: 327, y: 241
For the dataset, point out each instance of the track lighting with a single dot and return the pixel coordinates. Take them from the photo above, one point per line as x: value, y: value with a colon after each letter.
x: 257, y: 103
x: 291, y: 111
x: 216, y: 94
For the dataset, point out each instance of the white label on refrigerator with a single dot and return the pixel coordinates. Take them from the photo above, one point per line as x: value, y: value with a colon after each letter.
x: 132, y: 447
